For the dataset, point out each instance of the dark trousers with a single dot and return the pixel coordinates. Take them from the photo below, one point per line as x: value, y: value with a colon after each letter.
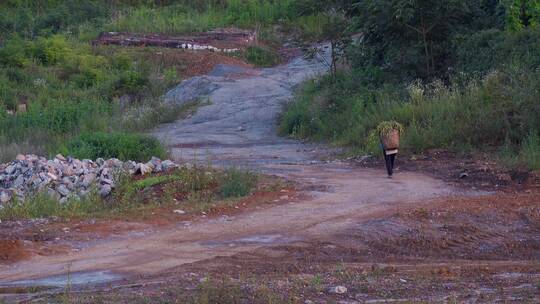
x: 389, y: 160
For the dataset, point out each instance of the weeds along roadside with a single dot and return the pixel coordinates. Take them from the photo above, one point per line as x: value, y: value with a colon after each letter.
x: 192, y: 189
x: 497, y: 114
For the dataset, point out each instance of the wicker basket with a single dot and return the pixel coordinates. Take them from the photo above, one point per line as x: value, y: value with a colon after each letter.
x: 391, y: 141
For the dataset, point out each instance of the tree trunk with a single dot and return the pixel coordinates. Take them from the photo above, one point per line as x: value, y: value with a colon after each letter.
x: 424, y: 32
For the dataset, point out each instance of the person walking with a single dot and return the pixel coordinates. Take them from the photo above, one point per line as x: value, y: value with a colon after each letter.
x: 389, y: 135
x: 389, y: 160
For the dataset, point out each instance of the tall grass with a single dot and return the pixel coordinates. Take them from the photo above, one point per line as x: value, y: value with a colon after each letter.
x: 178, y: 19
x: 72, y: 89
x: 500, y: 109
x: 41, y: 205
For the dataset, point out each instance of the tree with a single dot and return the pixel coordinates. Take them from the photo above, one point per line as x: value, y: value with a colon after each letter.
x: 413, y: 38
x: 335, y: 31
x: 521, y: 14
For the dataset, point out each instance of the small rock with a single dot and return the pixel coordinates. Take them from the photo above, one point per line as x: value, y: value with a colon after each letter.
x: 155, y: 161
x: 67, y: 171
x: 144, y: 169
x: 168, y: 165
x: 463, y: 175
x: 105, y: 190
x: 19, y: 181
x: 63, y: 190
x: 179, y: 211
x: 10, y: 169
x: 20, y: 157
x: 88, y: 179
x: 203, y: 280
x: 105, y: 171
x: 107, y: 181
x: 5, y: 197
x: 60, y: 157
x: 505, y: 177
x: 338, y: 289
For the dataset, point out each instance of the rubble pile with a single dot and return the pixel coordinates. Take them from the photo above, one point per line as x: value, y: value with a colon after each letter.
x: 67, y: 178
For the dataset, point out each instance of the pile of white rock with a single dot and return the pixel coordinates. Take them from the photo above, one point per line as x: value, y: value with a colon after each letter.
x: 67, y: 178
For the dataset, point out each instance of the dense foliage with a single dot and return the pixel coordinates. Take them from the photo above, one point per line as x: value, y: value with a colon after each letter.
x: 458, y: 74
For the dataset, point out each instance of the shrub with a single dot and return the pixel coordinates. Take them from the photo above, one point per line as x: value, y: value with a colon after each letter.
x: 237, y: 183
x: 114, y: 145
x: 51, y: 50
x: 131, y: 81
x: 14, y: 53
x: 494, y: 49
x: 261, y: 56
x: 530, y: 151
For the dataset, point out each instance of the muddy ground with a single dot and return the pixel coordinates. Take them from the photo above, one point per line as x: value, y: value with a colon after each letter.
x: 444, y: 229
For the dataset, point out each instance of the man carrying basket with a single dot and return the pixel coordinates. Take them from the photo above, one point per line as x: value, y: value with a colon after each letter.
x: 389, y: 134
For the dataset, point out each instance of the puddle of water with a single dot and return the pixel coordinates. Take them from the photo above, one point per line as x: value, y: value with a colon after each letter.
x: 72, y: 279
x: 269, y: 239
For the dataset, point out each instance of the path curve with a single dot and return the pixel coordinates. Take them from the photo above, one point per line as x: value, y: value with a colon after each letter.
x: 238, y: 128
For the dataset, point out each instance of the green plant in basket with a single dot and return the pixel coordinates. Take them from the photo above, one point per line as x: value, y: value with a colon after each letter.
x: 385, y: 128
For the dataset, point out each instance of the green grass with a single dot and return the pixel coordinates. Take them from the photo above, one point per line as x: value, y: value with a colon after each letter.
x: 262, y: 56
x: 123, y: 146
x: 237, y: 183
x: 500, y: 109
x: 41, y: 205
x: 72, y: 89
x: 180, y: 19
x: 201, y: 189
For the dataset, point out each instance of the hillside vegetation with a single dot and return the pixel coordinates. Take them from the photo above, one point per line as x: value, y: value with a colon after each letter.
x: 460, y: 75
x: 75, y: 91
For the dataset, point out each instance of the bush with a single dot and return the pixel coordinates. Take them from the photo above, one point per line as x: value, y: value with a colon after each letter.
x: 493, y: 49
x: 530, y: 151
x: 261, y: 56
x: 237, y: 183
x: 14, y: 53
x: 51, y: 50
x: 114, y: 145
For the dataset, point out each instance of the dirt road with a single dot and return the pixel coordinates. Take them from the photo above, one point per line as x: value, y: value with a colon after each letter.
x: 238, y: 128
